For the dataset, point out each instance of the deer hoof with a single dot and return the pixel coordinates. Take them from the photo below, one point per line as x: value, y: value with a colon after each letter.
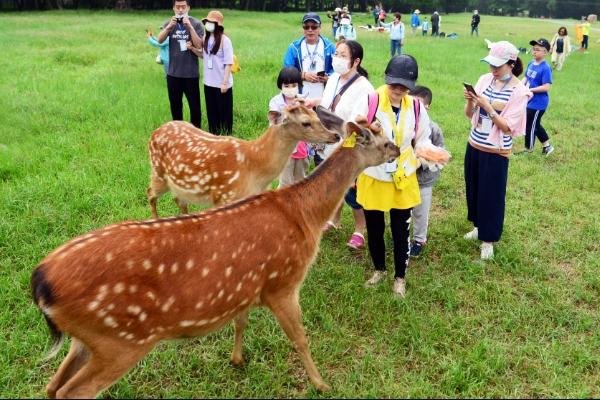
x: 237, y: 361
x: 323, y: 387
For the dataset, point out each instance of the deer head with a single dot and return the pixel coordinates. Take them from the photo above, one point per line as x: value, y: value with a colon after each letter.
x: 305, y: 124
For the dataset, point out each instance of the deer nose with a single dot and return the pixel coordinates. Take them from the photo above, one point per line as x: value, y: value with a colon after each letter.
x: 336, y: 137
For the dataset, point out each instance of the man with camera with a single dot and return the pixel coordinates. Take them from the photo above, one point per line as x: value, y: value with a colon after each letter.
x: 183, y: 75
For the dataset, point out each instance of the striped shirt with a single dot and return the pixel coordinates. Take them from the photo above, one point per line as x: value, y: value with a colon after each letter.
x: 479, y: 136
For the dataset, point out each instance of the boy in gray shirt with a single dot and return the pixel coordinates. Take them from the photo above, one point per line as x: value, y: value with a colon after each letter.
x: 427, y: 178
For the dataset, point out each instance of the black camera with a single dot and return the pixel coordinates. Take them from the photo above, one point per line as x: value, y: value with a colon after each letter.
x: 179, y: 20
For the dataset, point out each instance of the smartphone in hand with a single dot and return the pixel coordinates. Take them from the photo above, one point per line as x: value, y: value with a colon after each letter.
x: 321, y: 73
x: 469, y: 88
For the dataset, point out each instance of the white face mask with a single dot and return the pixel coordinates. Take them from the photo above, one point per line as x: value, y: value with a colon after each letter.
x: 290, y: 92
x: 340, y: 65
x: 182, y: 15
x: 210, y: 26
x: 506, y: 77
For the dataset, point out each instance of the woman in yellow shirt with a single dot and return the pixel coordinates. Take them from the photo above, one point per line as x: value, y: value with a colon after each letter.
x: 393, y: 186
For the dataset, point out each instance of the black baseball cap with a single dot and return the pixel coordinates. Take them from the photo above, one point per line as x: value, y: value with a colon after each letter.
x: 541, y: 42
x: 311, y: 16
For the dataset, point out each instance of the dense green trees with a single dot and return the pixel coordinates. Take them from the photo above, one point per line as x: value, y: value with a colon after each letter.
x: 534, y: 8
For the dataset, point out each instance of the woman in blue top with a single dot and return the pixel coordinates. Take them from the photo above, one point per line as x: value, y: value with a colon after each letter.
x: 538, y: 78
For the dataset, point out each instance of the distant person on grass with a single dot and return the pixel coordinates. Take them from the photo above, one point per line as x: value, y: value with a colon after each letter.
x: 538, y: 78
x: 397, y: 33
x: 585, y: 32
x: 183, y: 76
x: 475, y: 20
x: 497, y: 114
x: 415, y: 21
x: 426, y: 178
x: 560, y: 48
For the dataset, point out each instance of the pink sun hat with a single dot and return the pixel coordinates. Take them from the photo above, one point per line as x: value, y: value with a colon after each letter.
x: 501, y: 53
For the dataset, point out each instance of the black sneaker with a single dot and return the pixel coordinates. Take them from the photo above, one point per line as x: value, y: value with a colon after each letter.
x: 547, y: 150
x: 416, y: 248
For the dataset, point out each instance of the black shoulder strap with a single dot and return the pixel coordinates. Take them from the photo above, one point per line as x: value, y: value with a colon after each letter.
x: 337, y: 98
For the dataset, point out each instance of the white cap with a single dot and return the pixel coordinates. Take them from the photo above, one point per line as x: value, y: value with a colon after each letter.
x: 501, y: 53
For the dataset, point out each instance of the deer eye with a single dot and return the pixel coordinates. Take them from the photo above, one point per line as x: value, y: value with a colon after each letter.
x: 306, y: 124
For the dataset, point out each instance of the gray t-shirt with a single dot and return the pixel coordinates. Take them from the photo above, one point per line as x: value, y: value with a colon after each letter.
x: 183, y: 64
x: 426, y: 177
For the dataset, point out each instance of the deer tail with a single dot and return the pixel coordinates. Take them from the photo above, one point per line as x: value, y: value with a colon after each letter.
x: 44, y: 298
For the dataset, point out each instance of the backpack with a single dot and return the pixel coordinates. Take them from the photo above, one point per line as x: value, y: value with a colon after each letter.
x: 373, y: 103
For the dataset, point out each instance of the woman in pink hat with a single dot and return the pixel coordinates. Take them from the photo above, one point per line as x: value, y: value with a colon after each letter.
x: 496, y: 109
x: 217, y: 53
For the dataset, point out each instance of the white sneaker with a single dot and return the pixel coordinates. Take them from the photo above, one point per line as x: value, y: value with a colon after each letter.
x: 158, y: 59
x: 399, y: 288
x: 487, y: 251
x: 377, y: 277
x: 473, y: 235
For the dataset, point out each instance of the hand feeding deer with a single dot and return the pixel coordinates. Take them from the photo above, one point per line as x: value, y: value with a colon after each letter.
x: 201, y: 168
x: 119, y: 290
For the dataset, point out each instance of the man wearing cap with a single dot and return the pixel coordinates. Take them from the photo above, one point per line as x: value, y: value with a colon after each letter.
x: 183, y: 76
x: 335, y: 19
x: 311, y: 54
x: 538, y: 77
x: 415, y: 22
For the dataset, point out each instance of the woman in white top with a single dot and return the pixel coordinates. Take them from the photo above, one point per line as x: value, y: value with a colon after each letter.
x: 346, y: 94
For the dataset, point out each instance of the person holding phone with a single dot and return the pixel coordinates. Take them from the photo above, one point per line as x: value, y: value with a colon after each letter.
x: 183, y: 75
x: 497, y: 113
x: 310, y: 54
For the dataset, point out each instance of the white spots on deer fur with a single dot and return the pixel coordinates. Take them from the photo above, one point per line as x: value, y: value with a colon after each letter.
x: 110, y: 321
x: 142, y: 316
x: 244, y: 302
x: 239, y: 156
x: 288, y: 270
x: 147, y: 264
x: 199, y: 305
x: 238, y: 287
x: 262, y: 266
x: 168, y: 304
x: 130, y: 336
x: 174, y: 268
x: 122, y: 334
x: 151, y: 295
x: 134, y: 309
x: 189, y: 264
x: 110, y: 307
x: 221, y: 293
x: 119, y: 287
x: 102, y: 292
x: 202, y: 322
x: 233, y: 178
x: 214, y: 256
x: 205, y: 272
x: 109, y: 257
x: 129, y: 264
x: 228, y: 271
x: 229, y: 297
x: 133, y: 288
x: 273, y: 275
x: 101, y: 313
x: 160, y: 329
x: 93, y: 305
x: 219, y: 284
x: 213, y: 320
x: 186, y: 323
x: 257, y: 290
x: 287, y: 261
x: 161, y: 268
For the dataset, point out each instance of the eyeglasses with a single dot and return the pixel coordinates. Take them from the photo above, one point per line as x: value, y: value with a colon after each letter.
x: 537, y: 49
x: 311, y: 27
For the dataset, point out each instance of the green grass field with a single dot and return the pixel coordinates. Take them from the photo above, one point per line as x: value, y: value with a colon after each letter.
x: 80, y: 96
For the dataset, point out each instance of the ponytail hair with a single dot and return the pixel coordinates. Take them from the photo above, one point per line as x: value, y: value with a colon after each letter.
x: 517, y: 66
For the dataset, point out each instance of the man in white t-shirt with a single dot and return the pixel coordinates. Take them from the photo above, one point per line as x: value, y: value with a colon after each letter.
x: 311, y: 54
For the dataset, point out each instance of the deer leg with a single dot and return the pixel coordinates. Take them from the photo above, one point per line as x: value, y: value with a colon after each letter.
x: 288, y: 313
x: 103, y: 368
x: 157, y: 188
x: 239, y: 324
x: 74, y: 360
x: 183, y: 206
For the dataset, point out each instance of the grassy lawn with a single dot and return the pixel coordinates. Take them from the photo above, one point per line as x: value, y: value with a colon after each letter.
x: 80, y: 96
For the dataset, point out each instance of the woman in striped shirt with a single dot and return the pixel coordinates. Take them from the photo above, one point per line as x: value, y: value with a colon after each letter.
x: 497, y: 113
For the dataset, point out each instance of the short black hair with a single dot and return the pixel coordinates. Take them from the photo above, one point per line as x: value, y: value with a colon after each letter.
x: 289, y: 75
x: 423, y: 92
x: 187, y: 1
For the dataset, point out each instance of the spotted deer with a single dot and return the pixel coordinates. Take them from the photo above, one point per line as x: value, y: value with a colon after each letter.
x: 119, y: 290
x: 201, y: 168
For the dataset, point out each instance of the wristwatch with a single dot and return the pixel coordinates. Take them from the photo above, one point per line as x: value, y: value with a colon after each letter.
x: 493, y: 114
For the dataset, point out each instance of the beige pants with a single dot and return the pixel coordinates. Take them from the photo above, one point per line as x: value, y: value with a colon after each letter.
x: 558, y: 60
x: 295, y: 170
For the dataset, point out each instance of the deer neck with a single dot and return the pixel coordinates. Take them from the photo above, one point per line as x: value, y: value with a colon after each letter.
x: 324, y: 190
x: 273, y: 148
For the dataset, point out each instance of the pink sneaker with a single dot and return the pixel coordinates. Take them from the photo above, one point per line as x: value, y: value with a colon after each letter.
x: 357, y: 241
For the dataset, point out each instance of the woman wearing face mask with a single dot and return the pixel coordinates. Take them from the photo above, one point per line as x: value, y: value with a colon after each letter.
x: 498, y: 113
x: 346, y: 94
x: 217, y: 54
x: 393, y: 187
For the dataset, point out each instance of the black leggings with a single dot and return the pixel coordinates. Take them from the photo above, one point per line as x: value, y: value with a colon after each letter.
x: 399, y: 223
x: 177, y: 87
x: 534, y: 128
x: 219, y: 110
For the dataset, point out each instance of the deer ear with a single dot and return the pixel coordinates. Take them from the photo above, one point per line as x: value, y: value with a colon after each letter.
x: 287, y: 113
x: 363, y: 136
x: 329, y: 119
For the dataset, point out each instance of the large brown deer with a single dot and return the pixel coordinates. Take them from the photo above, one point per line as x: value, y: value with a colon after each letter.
x: 119, y: 290
x: 201, y: 168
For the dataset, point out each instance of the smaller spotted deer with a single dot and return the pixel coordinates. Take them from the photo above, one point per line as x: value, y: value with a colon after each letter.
x: 201, y: 168
x: 119, y: 290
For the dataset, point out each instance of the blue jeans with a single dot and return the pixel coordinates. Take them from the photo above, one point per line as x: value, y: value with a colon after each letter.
x: 395, y: 47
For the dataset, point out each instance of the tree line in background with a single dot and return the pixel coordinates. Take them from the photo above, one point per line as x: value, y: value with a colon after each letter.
x: 532, y: 8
